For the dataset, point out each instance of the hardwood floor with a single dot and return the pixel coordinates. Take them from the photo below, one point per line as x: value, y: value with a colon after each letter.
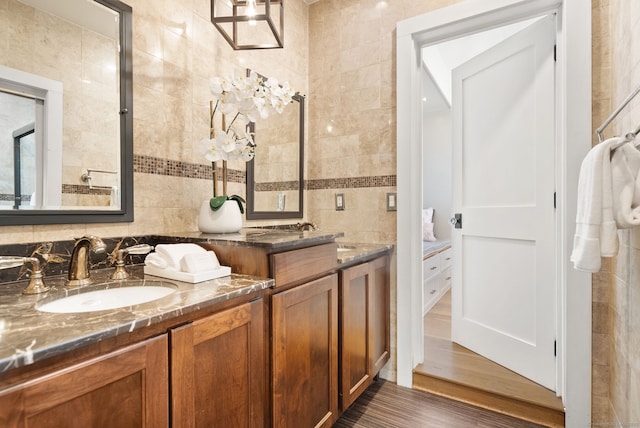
x: 455, y: 372
x: 387, y: 405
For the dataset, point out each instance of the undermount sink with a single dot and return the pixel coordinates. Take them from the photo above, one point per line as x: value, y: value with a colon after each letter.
x: 107, y: 296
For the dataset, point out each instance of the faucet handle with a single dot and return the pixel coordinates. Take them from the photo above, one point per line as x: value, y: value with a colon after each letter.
x: 7, y: 262
x: 138, y: 249
x: 36, y: 282
x: 121, y: 272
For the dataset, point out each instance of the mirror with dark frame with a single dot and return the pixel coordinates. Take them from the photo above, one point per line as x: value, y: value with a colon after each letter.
x: 275, y: 176
x: 66, y: 113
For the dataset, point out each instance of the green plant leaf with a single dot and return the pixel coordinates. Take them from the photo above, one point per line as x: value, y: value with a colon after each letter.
x: 239, y: 200
x: 217, y: 201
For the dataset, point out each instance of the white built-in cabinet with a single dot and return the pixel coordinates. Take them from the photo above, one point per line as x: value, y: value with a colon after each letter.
x: 436, y: 277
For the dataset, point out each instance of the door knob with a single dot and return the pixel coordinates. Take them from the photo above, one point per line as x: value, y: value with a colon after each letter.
x: 456, y: 221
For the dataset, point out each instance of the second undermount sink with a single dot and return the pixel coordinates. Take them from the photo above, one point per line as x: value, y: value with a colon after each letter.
x: 109, y: 296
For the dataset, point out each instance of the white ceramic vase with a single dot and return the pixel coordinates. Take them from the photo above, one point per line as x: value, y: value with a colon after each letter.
x: 227, y: 219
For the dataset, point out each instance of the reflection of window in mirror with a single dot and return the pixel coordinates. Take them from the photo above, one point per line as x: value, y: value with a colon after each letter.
x: 30, y: 107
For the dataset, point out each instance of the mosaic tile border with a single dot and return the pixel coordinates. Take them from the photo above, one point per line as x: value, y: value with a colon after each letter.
x: 76, y: 189
x: 158, y: 166
x: 351, y: 182
x: 80, y: 189
x: 277, y: 186
x: 10, y: 197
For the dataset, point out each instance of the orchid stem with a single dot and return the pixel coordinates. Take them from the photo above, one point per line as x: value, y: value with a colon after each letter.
x: 215, y: 179
x: 234, y: 119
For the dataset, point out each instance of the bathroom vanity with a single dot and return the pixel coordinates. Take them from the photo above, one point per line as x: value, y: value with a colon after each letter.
x: 291, y: 338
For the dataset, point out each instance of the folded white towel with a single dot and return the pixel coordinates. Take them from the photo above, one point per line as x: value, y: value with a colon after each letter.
x: 199, y: 262
x: 596, y: 233
x: 173, y: 253
x: 625, y: 167
x: 156, y: 260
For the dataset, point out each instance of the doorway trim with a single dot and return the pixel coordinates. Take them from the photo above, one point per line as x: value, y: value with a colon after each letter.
x: 573, y: 117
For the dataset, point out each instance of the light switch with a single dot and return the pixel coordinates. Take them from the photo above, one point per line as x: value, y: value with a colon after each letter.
x: 391, y: 202
x: 339, y: 201
x: 281, y: 199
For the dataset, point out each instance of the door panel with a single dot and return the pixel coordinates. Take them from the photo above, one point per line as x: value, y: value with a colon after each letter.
x: 503, y: 292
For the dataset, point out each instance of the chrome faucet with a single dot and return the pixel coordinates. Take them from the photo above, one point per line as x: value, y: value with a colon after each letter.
x: 79, y: 264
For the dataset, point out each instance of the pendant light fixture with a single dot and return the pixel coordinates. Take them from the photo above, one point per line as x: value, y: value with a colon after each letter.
x: 250, y: 24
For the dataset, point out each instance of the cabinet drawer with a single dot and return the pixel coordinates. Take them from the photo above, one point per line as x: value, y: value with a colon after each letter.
x: 445, y: 258
x: 303, y: 264
x: 446, y: 278
x: 430, y: 266
x: 430, y: 291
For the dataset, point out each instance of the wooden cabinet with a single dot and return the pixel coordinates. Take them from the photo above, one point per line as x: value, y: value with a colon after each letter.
x: 364, y: 326
x: 218, y: 374
x: 305, y: 354
x: 125, y: 388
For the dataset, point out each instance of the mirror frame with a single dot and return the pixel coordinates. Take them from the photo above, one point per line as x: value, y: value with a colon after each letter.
x: 125, y: 213
x: 252, y: 214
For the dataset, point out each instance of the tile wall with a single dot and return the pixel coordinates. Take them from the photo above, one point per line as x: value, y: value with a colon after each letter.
x: 616, y: 297
x: 352, y: 119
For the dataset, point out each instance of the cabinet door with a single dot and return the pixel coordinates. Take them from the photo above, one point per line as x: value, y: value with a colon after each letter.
x: 364, y: 327
x: 355, y: 342
x: 218, y: 370
x: 379, y: 314
x: 127, y: 388
x: 305, y: 354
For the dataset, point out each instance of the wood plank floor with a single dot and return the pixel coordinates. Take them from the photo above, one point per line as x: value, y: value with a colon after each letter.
x: 387, y: 405
x: 447, y: 364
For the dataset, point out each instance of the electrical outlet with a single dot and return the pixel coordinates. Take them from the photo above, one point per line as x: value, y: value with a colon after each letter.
x: 339, y: 201
x: 281, y: 199
x: 392, y: 202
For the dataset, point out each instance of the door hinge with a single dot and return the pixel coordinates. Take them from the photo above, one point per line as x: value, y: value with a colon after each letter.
x: 554, y: 199
x: 555, y: 348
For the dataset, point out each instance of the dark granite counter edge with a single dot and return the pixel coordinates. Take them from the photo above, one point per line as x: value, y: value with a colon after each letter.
x: 350, y: 254
x: 272, y: 239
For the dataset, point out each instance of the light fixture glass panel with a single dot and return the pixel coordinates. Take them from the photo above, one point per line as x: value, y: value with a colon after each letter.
x: 249, y: 24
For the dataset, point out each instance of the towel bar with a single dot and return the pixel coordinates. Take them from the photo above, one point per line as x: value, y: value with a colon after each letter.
x: 623, y: 104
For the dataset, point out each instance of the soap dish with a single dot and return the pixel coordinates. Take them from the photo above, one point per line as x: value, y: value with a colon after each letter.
x: 186, y: 276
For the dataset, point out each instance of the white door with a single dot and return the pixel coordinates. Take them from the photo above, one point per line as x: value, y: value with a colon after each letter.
x: 503, y: 292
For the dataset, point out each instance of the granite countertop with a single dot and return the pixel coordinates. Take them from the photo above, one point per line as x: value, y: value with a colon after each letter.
x: 273, y: 239
x: 28, y: 335
x: 350, y: 253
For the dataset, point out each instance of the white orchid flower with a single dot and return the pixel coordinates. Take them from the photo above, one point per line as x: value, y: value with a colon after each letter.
x: 224, y: 142
x: 226, y: 104
x: 210, y: 150
x: 248, y: 153
x: 277, y: 105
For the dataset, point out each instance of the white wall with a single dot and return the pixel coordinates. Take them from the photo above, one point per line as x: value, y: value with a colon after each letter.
x: 436, y: 169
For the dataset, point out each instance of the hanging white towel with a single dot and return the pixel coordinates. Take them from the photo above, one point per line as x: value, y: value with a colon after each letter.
x: 596, y: 233
x: 625, y: 167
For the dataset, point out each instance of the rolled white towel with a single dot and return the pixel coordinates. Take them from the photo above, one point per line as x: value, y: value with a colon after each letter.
x: 199, y: 262
x: 156, y: 260
x: 173, y: 253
